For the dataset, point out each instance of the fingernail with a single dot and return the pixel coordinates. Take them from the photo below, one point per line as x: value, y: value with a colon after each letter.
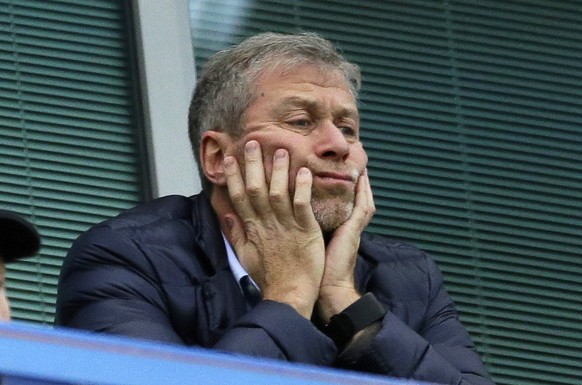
x: 304, y: 171
x: 280, y: 154
x: 229, y: 222
x: 251, y: 146
x: 228, y: 161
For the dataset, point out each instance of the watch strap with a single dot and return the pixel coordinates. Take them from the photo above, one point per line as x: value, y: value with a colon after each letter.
x: 359, y: 315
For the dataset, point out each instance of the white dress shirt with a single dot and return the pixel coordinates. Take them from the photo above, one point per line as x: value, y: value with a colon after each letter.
x: 238, y: 271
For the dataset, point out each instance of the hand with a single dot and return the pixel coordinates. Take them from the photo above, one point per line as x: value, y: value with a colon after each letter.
x: 338, y: 289
x: 279, y: 242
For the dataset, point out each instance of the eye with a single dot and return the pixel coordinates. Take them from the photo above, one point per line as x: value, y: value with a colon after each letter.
x: 301, y: 123
x: 348, y: 131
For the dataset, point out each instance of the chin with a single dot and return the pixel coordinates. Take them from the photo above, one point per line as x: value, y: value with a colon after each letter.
x: 331, y: 213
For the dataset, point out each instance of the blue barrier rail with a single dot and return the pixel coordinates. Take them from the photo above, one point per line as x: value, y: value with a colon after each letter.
x: 30, y: 354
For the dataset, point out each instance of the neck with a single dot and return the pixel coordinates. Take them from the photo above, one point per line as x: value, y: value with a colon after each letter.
x: 220, y: 202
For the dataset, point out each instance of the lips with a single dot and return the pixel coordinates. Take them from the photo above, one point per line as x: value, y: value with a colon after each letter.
x: 335, y: 175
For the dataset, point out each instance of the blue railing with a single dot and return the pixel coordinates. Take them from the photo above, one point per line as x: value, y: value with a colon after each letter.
x: 32, y: 354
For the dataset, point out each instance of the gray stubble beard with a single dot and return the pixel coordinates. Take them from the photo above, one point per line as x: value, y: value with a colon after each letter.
x: 331, y: 213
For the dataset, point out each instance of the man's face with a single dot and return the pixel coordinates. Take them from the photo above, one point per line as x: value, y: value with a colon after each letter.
x: 312, y: 114
x: 4, y: 306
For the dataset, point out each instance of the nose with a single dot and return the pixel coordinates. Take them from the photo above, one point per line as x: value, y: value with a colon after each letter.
x: 332, y: 143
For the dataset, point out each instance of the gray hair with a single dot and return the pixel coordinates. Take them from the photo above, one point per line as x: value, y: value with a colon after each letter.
x: 226, y: 86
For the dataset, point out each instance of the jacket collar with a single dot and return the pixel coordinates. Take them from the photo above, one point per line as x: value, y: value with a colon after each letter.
x: 207, y: 235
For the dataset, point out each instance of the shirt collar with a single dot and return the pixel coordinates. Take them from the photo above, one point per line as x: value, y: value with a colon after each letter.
x: 238, y: 271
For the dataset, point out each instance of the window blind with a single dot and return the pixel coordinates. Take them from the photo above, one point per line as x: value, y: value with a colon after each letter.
x: 472, y: 119
x: 70, y: 154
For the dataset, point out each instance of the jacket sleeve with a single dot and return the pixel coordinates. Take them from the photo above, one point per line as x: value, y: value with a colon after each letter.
x: 275, y: 330
x: 109, y: 285
x: 440, y: 352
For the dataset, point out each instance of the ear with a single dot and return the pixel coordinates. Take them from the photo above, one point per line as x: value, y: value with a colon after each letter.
x: 213, y: 148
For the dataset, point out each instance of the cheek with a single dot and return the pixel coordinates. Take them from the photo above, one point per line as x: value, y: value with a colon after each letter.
x: 270, y: 142
x: 358, y: 156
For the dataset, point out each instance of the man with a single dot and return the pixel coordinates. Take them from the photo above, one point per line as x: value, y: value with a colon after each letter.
x: 18, y: 239
x: 275, y: 126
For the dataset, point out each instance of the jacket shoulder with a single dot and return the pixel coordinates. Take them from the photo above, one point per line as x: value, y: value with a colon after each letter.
x: 397, y: 271
x: 149, y: 236
x: 379, y: 249
x: 168, y: 208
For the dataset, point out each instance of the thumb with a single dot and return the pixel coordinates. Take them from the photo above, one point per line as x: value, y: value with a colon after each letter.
x: 235, y: 231
x: 237, y: 237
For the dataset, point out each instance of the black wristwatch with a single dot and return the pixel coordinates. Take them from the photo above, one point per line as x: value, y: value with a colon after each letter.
x: 359, y: 315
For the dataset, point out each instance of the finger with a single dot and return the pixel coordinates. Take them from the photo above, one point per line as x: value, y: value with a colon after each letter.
x: 279, y: 188
x: 367, y: 187
x: 236, y: 189
x: 256, y: 186
x: 364, y: 207
x: 302, y: 198
x: 370, y: 193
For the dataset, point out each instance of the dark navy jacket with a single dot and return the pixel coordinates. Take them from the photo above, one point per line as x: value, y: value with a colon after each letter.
x: 160, y: 272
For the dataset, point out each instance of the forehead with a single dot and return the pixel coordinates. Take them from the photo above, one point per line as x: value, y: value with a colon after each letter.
x: 303, y: 86
x: 306, y: 75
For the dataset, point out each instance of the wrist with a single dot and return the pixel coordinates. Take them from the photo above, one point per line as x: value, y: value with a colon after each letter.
x: 301, y: 301
x: 335, y: 301
x: 359, y: 315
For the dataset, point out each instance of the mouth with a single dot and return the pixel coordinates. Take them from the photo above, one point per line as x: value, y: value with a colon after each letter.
x: 333, y: 177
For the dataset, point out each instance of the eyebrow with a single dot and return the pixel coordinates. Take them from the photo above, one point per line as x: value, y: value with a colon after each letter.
x: 314, y: 105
